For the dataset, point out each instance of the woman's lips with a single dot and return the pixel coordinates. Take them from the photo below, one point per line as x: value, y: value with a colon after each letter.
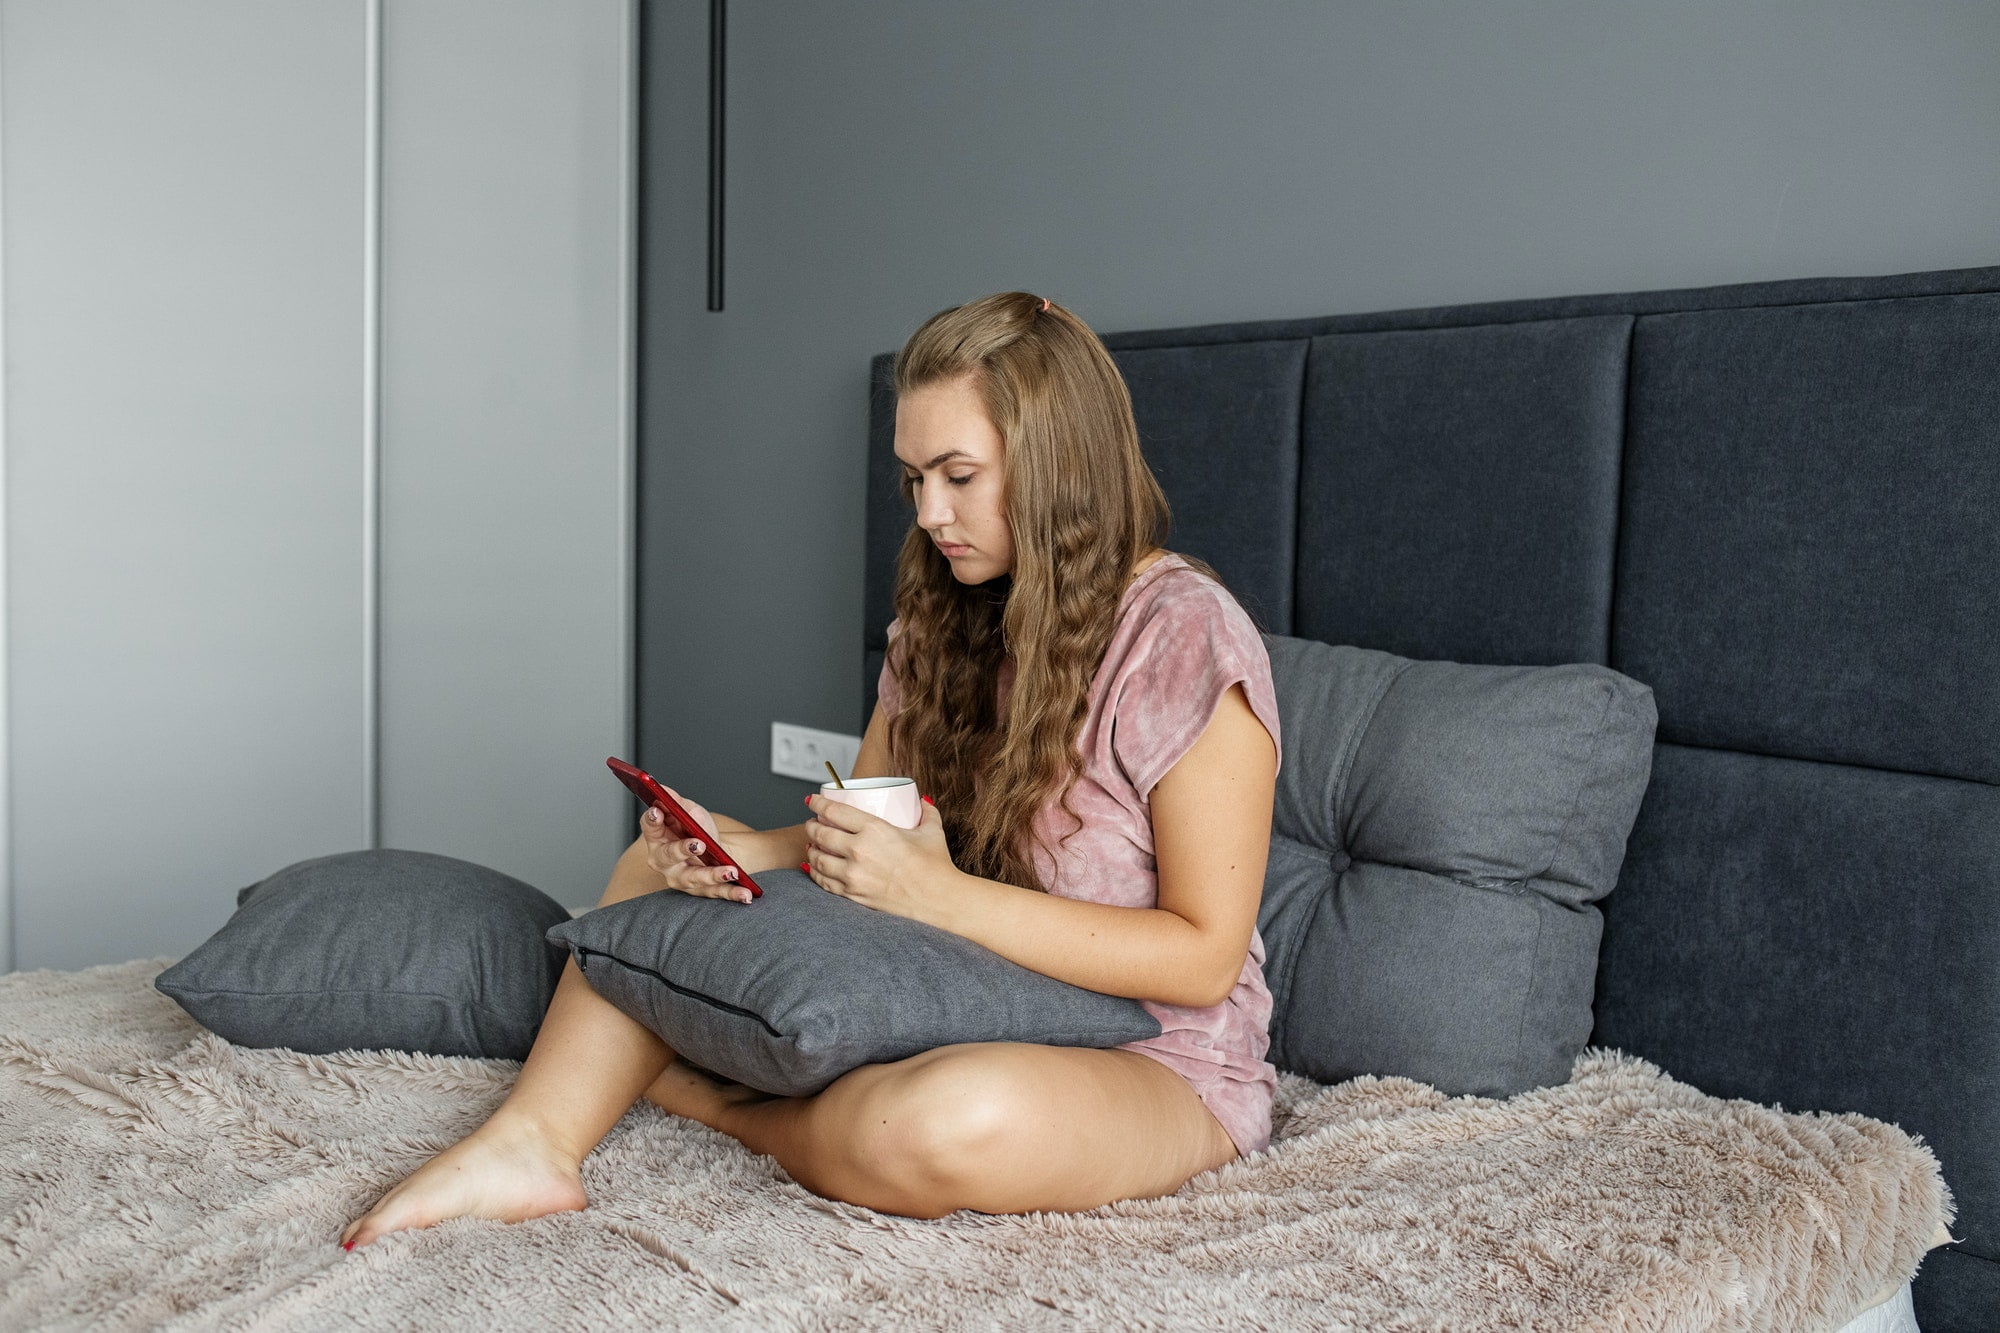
x: 951, y: 550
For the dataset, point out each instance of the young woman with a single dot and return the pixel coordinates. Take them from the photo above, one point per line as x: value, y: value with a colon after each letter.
x: 1093, y: 718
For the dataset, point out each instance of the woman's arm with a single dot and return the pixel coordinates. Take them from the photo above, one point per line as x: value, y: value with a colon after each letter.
x: 783, y: 848
x: 1211, y: 818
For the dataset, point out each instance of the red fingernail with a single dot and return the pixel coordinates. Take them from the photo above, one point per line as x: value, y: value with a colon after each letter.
x: 929, y: 801
x: 348, y: 1246
x: 809, y: 801
x: 803, y: 866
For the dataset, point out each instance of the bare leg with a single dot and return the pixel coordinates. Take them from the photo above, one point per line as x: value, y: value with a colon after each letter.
x: 996, y: 1127
x: 794, y: 1130
x: 853, y: 1140
x: 588, y: 1065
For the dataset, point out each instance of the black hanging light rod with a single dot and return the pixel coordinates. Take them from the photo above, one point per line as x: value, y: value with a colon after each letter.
x: 717, y: 67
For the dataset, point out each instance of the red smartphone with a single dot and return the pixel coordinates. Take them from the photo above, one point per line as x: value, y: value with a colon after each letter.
x: 641, y: 784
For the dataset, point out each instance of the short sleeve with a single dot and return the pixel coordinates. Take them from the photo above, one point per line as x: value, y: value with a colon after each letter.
x: 888, y: 693
x: 1194, y: 646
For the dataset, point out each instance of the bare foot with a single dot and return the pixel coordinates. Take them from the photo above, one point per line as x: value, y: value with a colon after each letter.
x: 685, y: 1090
x: 497, y: 1173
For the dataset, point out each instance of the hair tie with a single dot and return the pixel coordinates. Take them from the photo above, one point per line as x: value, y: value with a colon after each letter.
x: 1045, y: 304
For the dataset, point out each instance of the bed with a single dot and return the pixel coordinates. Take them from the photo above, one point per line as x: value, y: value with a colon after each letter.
x: 1777, y: 505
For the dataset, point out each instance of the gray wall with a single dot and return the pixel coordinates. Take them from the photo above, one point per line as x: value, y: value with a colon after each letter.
x: 1180, y: 163
x: 185, y: 223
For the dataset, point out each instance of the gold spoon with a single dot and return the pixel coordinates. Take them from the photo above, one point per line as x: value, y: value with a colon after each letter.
x: 834, y: 774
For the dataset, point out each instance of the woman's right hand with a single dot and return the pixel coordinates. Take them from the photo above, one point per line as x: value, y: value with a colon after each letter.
x: 678, y: 860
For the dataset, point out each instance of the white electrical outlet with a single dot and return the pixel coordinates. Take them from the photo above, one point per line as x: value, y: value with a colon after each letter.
x: 802, y: 752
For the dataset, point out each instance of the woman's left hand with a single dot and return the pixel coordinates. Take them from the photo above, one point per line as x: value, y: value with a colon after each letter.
x: 903, y: 871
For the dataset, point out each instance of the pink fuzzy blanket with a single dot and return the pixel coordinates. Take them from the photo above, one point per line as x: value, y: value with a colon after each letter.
x: 155, y: 1175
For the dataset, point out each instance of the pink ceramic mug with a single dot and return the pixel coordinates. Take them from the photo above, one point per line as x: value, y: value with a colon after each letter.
x: 893, y: 799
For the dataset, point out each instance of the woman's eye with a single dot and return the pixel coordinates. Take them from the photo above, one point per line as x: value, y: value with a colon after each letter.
x: 960, y: 481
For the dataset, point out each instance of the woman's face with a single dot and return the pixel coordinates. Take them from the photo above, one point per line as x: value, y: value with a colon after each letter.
x: 955, y: 462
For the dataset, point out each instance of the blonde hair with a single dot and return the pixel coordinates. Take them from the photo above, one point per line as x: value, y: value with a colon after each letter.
x: 1084, y: 508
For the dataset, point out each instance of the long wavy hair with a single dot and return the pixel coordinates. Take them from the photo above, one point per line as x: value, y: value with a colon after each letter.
x: 1083, y: 508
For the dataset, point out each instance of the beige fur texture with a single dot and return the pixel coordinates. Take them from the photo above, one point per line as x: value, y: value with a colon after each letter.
x: 153, y: 1175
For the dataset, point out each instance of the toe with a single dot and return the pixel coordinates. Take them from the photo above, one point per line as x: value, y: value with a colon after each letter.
x: 368, y: 1228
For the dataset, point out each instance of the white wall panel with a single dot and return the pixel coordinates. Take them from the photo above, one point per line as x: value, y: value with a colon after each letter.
x: 505, y: 449
x: 193, y: 373
x: 182, y: 239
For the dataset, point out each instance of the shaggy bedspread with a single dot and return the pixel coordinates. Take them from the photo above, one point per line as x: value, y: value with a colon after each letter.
x: 153, y: 1175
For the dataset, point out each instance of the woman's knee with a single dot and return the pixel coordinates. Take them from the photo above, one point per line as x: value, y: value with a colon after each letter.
x: 845, y: 1149
x: 942, y: 1122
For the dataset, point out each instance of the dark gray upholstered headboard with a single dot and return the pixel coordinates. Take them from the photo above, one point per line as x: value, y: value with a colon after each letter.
x: 1779, y: 506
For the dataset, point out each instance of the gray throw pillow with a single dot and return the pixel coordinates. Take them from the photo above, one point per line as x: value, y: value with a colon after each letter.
x: 788, y: 992
x: 1441, y: 834
x: 378, y: 950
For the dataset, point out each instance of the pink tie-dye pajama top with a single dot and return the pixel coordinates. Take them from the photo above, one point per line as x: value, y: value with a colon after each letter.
x: 1181, y: 642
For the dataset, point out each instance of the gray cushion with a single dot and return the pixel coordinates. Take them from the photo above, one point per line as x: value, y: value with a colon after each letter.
x: 792, y: 990
x: 1441, y: 834
x: 378, y: 950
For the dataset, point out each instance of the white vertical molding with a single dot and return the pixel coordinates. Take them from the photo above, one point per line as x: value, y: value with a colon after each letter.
x: 628, y: 398
x: 371, y: 435
x: 6, y: 605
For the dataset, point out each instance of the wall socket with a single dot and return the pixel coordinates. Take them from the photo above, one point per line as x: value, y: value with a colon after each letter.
x: 802, y: 752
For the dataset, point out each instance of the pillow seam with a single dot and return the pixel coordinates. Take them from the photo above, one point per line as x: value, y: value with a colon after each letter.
x: 1588, y: 767
x: 1291, y: 981
x: 1354, y: 748
x: 1305, y: 931
x: 212, y: 992
x: 688, y: 991
x: 1088, y: 1032
x: 1535, y: 978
